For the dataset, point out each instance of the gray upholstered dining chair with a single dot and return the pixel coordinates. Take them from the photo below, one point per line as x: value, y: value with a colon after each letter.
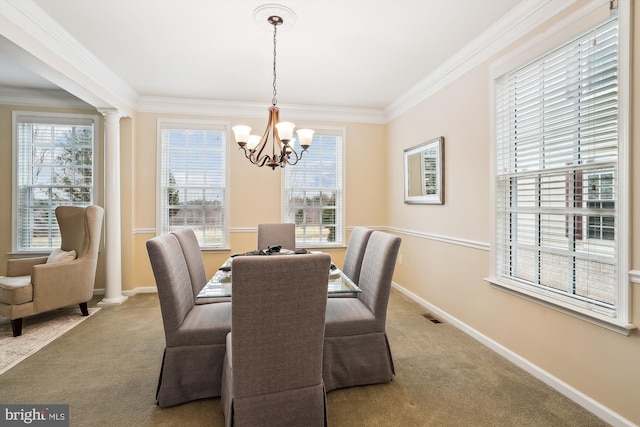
x: 280, y: 234
x: 195, y: 334
x: 355, y: 252
x: 356, y: 349
x: 193, y: 256
x: 273, y: 367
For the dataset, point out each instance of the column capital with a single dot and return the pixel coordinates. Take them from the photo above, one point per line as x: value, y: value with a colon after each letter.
x: 110, y: 113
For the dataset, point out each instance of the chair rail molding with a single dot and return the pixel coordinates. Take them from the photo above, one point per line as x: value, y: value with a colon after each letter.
x: 444, y: 239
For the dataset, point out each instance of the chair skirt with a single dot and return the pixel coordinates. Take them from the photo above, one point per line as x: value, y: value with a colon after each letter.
x: 357, y: 360
x: 290, y: 408
x: 190, y: 373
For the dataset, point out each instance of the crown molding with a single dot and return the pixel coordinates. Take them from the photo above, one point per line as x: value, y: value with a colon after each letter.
x: 155, y: 104
x: 65, y: 62
x: 61, y: 59
x: 55, y: 98
x: 522, y: 19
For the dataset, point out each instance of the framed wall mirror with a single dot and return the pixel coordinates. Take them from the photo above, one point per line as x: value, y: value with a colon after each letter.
x: 424, y: 173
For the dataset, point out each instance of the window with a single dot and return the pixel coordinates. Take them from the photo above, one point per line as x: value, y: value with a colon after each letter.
x: 313, y: 192
x: 599, y: 195
x: 193, y: 180
x: 55, y: 158
x: 558, y: 177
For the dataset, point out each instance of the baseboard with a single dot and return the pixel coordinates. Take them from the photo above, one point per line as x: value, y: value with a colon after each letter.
x: 141, y: 290
x: 138, y: 290
x: 572, y: 393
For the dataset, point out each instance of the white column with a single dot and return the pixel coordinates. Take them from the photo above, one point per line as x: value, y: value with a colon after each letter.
x: 113, y: 249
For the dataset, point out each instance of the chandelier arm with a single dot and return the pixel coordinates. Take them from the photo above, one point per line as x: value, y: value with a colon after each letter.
x: 255, y: 160
x: 262, y: 162
x: 274, y: 120
x: 282, y: 157
x: 260, y: 148
x: 298, y: 157
x: 259, y: 156
x: 288, y: 155
x: 246, y: 153
x: 249, y: 155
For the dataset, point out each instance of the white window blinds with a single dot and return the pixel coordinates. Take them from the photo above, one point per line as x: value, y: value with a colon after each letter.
x: 54, y: 166
x: 193, y: 180
x: 313, y: 192
x: 557, y: 173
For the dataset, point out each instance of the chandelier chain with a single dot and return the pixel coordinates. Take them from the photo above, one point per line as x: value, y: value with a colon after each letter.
x: 274, y: 101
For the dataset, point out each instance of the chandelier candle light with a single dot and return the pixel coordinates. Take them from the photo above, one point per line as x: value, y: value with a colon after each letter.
x: 281, y: 151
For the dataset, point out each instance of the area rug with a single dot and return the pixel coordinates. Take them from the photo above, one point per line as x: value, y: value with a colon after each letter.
x: 37, y: 332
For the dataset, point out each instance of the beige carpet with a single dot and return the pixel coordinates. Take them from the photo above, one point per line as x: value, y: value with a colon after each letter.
x: 37, y: 332
x: 107, y: 371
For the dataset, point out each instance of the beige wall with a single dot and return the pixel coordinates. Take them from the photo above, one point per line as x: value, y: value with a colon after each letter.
x: 255, y: 192
x: 603, y: 365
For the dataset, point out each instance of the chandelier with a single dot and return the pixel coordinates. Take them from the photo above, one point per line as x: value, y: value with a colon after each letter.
x: 275, y: 148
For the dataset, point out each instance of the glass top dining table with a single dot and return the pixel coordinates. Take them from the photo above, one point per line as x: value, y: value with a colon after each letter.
x: 220, y: 284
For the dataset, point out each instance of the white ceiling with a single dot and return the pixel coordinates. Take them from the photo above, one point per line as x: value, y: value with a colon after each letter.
x: 342, y: 53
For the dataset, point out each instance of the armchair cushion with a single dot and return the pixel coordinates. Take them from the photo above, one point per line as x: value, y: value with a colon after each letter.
x: 16, y: 290
x: 60, y: 256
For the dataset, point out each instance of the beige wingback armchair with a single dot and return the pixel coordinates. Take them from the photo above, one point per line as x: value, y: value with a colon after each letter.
x: 36, y: 285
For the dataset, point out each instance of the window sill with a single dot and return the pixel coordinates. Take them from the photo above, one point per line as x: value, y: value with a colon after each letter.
x: 321, y: 247
x: 29, y: 254
x: 603, y: 321
x: 214, y: 249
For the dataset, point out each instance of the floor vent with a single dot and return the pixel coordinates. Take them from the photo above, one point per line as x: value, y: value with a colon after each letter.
x: 430, y: 317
